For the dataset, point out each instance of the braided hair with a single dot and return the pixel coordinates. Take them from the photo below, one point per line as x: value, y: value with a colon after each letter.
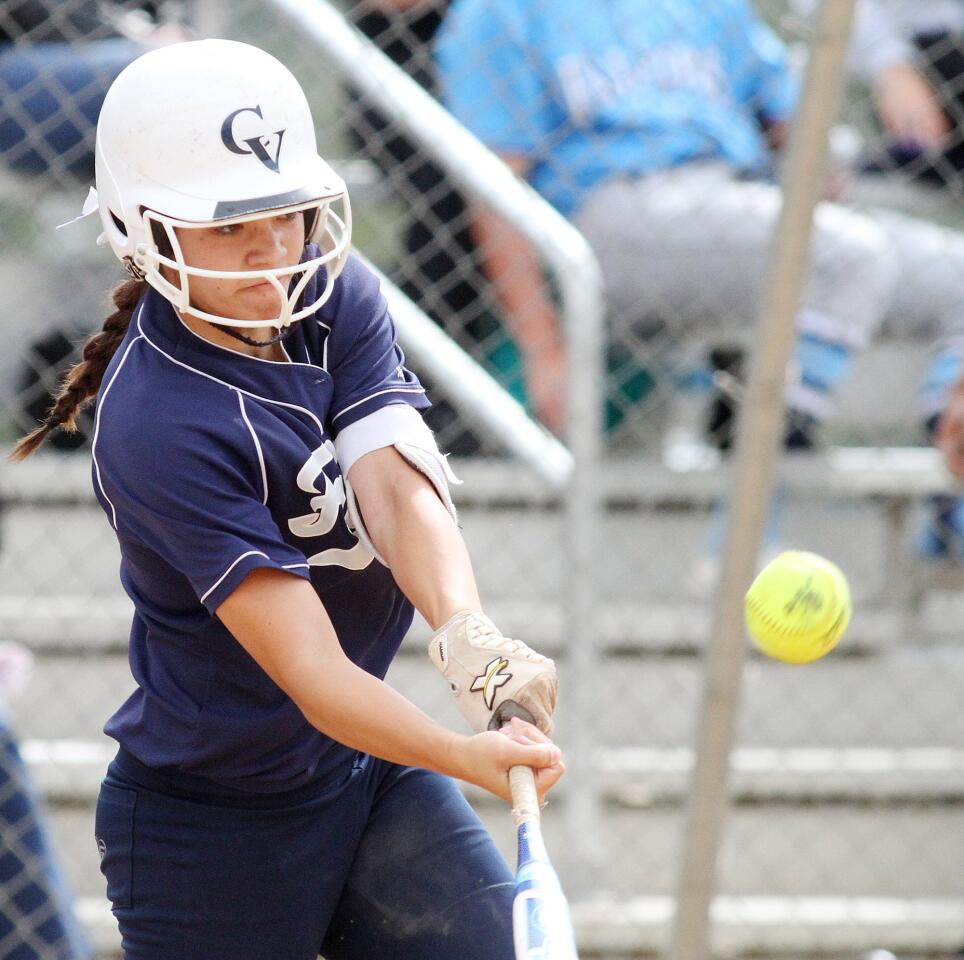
x: 82, y: 382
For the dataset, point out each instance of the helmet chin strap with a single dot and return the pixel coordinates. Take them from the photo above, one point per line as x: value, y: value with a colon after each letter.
x: 282, y: 334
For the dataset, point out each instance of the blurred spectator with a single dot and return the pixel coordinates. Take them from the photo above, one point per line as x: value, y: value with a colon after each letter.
x: 654, y: 124
x: 57, y: 60
x: 440, y: 269
x: 911, y: 54
x: 650, y: 125
x: 36, y: 919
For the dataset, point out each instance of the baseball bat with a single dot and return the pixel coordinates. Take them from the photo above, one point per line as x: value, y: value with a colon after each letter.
x: 541, y: 924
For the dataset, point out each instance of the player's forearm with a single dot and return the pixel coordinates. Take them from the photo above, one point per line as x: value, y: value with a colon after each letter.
x: 366, y: 714
x: 416, y: 535
x: 281, y: 622
x: 429, y: 560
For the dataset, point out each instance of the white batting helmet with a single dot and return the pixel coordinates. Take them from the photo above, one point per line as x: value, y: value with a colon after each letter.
x: 214, y: 131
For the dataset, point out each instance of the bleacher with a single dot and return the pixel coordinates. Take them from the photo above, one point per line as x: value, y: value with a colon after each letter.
x: 876, y: 769
x: 848, y: 775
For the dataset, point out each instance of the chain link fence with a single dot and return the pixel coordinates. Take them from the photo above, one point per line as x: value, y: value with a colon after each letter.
x: 657, y: 128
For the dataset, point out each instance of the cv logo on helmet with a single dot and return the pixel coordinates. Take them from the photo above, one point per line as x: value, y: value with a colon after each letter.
x: 258, y: 146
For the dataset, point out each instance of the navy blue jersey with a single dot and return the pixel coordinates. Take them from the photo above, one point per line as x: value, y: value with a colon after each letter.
x: 210, y: 463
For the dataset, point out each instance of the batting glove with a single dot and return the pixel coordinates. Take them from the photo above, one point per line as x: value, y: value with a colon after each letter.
x: 492, y: 677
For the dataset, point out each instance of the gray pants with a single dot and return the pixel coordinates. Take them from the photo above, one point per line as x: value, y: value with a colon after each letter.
x: 684, y: 253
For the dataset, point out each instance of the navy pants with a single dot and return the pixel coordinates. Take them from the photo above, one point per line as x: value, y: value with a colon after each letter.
x: 388, y: 862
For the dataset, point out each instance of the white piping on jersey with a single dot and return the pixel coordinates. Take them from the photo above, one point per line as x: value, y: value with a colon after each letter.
x: 280, y: 403
x: 324, y: 346
x: 135, y: 319
x: 218, y: 346
x: 378, y: 393
x: 231, y: 386
x: 294, y: 566
x: 100, y: 406
x: 257, y: 447
x: 217, y: 583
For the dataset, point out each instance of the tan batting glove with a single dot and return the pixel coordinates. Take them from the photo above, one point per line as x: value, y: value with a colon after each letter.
x: 492, y: 677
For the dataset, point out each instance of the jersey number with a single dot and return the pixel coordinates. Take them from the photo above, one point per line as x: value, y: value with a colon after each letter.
x: 327, y: 506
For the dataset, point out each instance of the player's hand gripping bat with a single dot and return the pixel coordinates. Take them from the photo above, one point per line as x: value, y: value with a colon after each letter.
x: 541, y: 925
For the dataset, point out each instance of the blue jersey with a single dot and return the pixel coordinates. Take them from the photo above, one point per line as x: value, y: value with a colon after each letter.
x: 589, y: 91
x: 210, y: 463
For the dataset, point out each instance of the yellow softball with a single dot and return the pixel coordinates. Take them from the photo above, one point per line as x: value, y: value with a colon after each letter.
x: 798, y: 607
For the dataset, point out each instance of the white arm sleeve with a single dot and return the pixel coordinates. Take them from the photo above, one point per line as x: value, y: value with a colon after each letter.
x: 402, y: 427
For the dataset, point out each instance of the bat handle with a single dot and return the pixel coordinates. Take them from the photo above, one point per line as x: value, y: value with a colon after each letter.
x: 525, y: 800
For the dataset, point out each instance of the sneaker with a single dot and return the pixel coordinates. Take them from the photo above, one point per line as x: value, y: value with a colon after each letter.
x: 728, y: 378
x: 727, y: 367
x: 727, y: 364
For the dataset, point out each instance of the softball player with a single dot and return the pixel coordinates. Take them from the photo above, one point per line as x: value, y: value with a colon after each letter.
x: 280, y: 506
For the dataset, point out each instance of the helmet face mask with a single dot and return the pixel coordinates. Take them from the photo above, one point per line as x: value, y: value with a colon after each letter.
x: 245, y: 149
x: 331, y: 231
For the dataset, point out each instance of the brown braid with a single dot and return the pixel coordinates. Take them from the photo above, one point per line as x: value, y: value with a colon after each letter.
x: 82, y: 382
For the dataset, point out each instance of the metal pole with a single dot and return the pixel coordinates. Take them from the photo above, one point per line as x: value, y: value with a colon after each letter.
x: 569, y: 257
x: 584, y: 510
x: 761, y: 420
x: 476, y: 393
